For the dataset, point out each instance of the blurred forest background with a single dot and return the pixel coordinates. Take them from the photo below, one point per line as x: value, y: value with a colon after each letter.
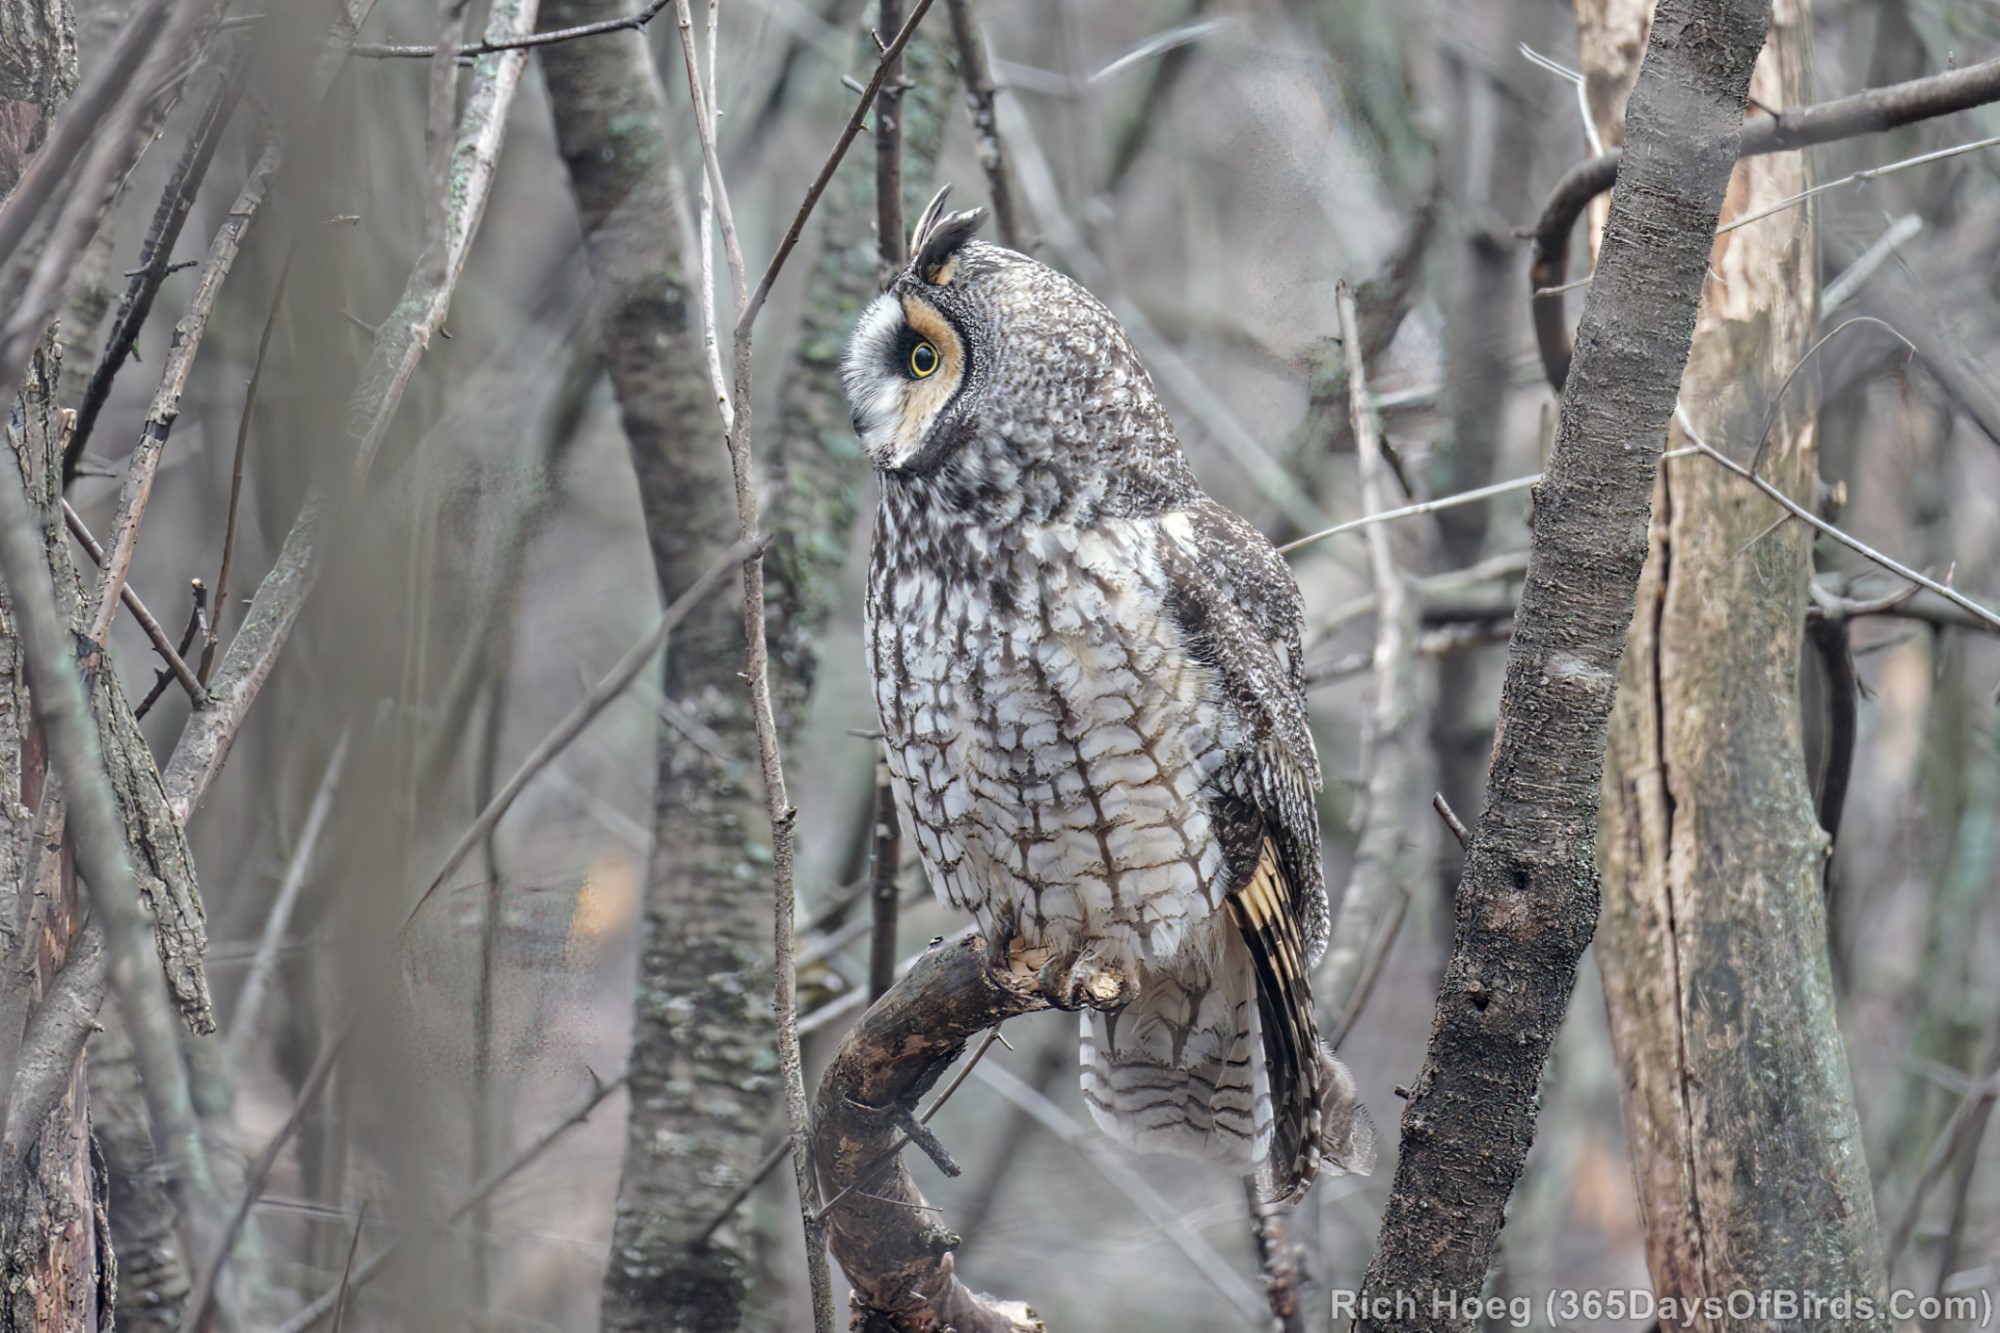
x: 490, y: 518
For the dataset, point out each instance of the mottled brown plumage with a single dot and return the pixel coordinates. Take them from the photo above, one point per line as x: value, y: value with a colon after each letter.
x: 1088, y: 677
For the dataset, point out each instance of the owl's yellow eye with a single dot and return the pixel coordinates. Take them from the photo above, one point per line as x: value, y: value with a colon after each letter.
x: 924, y: 360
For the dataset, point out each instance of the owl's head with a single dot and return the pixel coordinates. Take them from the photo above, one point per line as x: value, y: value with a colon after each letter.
x: 986, y: 368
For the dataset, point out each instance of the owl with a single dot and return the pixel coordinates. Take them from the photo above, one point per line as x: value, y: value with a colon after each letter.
x: 1088, y: 676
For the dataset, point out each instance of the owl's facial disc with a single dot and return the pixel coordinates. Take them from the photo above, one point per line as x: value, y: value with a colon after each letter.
x: 903, y: 367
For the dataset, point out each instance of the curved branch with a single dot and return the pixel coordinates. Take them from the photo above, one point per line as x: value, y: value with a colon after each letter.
x: 1869, y: 112
x: 895, y: 1251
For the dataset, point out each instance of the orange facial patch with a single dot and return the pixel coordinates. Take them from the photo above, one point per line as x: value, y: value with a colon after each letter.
x: 925, y: 398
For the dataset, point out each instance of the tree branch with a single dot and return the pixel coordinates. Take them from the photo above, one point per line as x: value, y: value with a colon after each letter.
x: 1869, y: 112
x: 895, y: 1252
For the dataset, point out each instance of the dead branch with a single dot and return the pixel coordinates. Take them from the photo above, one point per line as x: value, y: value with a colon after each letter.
x: 399, y: 345
x: 156, y: 255
x: 1378, y: 857
x: 1528, y: 902
x: 162, y: 645
x: 1870, y: 112
x: 492, y: 46
x: 976, y: 71
x: 895, y: 1252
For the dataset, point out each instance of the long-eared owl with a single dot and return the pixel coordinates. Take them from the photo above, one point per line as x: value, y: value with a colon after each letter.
x: 1089, y: 682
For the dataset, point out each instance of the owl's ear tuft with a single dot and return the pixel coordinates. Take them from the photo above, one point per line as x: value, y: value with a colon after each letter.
x: 938, y: 236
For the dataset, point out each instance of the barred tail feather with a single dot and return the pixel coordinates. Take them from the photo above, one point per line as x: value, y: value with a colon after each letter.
x: 1318, y: 1122
x: 1178, y: 1069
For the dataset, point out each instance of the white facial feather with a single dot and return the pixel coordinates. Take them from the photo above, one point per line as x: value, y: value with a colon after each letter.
x: 874, y: 386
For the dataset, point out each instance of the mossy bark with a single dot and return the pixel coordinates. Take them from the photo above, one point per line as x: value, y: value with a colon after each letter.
x: 703, y: 1067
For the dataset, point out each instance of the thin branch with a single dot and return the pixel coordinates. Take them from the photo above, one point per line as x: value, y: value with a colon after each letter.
x: 1386, y: 764
x: 156, y: 254
x: 1106, y: 1163
x: 1432, y: 506
x: 347, y: 1269
x: 747, y: 313
x: 585, y: 711
x: 163, y: 645
x: 197, y: 624
x: 1869, y: 112
x: 981, y: 93
x: 263, y: 964
x: 212, y: 640
x: 255, y: 1177
x: 138, y: 485
x: 383, y: 51
x: 1857, y: 178
x: 1854, y: 544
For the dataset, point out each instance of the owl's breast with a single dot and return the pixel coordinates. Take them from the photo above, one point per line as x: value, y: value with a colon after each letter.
x: 1053, y: 738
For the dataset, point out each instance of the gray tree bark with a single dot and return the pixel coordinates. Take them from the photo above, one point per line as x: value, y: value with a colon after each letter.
x: 701, y: 1066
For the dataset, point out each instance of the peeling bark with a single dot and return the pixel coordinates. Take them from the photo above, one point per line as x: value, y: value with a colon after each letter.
x: 1737, y: 1100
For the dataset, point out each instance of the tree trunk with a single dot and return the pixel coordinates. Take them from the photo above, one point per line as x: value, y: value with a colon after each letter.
x: 1746, y: 1146
x: 701, y: 1068
x: 1528, y: 901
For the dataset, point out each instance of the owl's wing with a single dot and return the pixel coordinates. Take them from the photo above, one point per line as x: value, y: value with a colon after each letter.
x: 1240, y: 614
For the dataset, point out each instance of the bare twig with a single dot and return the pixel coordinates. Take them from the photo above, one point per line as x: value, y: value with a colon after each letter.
x: 1857, y: 178
x: 253, y: 1183
x: 263, y: 964
x: 1855, y: 544
x: 156, y: 255
x: 1106, y: 1163
x: 747, y: 312
x: 1372, y: 963
x: 491, y: 46
x: 145, y: 618
x: 197, y: 623
x: 1432, y: 506
x: 1386, y: 765
x: 1452, y: 821
x: 138, y: 485
x: 212, y: 640
x: 976, y: 71
x: 580, y: 716
x: 347, y: 1268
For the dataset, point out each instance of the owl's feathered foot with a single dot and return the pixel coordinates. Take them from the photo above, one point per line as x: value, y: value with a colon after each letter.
x: 1068, y: 979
